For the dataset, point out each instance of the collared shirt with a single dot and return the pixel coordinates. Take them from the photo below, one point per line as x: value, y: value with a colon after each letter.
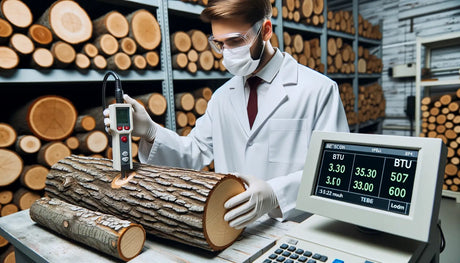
x: 267, y: 74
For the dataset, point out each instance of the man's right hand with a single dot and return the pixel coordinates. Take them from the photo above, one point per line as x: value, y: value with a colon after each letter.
x: 143, y: 125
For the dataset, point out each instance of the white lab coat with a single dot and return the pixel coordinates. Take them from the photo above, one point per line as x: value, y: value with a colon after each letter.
x: 299, y: 100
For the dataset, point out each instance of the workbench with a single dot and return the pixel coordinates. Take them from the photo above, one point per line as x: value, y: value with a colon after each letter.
x: 34, y: 243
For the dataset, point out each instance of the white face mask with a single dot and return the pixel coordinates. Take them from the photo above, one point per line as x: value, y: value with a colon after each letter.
x: 239, y: 62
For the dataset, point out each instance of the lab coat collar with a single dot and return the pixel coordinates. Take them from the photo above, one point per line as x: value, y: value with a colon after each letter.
x: 287, y: 75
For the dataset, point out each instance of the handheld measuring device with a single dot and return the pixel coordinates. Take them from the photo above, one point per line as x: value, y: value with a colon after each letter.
x: 121, y: 126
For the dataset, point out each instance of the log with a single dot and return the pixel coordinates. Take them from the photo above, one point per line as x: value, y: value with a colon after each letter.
x: 273, y: 40
x: 205, y: 93
x: 41, y: 35
x: 138, y: 62
x: 72, y: 142
x: 92, y: 142
x: 21, y: 44
x: 179, y: 61
x: 48, y: 117
x: 9, y: 209
x: 152, y: 58
x: 16, y: 12
x: 144, y: 29
x: 178, y: 204
x: 6, y: 30
x: 24, y: 198
x: 42, y: 58
x: 297, y: 43
x: 52, y: 152
x: 90, y: 50
x: 119, y: 61
x: 113, y: 23
x: 7, y: 135
x: 184, y: 101
x: 192, y: 55
x: 361, y: 65
x: 82, y: 61
x: 106, y: 44
x: 6, y: 197
x: 180, y: 42
x: 27, y: 144
x: 200, y: 106
x: 8, y: 58
x: 205, y: 60
x: 318, y: 7
x: 106, y: 233
x: 331, y: 46
x: 63, y: 54
x: 181, y: 119
x: 11, y: 166
x: 68, y: 22
x: 289, y: 4
x: 34, y: 176
x: 155, y: 103
x: 192, y: 67
x: 191, y: 118
x: 99, y: 62
x: 127, y: 45
x: 306, y: 8
x: 4, y: 243
x: 198, y: 39
x: 85, y: 123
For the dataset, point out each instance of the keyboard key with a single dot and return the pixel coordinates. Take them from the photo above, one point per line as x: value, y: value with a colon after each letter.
x: 307, y: 253
x: 323, y: 258
x: 289, y: 261
x: 292, y: 248
x: 316, y: 256
x: 338, y: 261
x: 294, y: 256
x: 280, y: 259
x: 299, y: 251
x: 303, y: 259
x: 311, y: 261
x: 286, y: 254
x: 284, y: 246
x: 267, y: 261
x: 272, y: 256
x: 278, y: 251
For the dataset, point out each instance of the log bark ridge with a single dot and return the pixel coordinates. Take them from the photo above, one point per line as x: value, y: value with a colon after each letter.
x: 178, y: 204
x: 106, y: 233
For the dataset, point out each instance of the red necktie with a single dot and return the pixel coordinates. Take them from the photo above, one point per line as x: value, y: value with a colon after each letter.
x: 253, y: 83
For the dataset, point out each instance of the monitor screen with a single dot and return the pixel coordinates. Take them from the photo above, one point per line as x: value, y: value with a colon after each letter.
x: 373, y: 176
x: 388, y: 183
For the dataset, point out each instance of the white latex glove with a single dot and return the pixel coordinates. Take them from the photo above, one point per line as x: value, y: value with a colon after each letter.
x: 246, y: 207
x: 143, y: 125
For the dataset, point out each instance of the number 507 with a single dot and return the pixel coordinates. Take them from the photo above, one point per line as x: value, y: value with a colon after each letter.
x: 398, y: 177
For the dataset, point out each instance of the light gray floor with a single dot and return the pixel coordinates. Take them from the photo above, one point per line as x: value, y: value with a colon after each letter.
x: 450, y: 223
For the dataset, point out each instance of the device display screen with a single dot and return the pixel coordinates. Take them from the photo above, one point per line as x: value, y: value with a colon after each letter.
x: 377, y: 177
x: 123, y: 116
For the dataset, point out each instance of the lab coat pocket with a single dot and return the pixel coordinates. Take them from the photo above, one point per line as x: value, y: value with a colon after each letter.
x: 288, y: 140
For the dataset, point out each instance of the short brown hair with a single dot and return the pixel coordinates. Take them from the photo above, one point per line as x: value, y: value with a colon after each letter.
x: 250, y: 10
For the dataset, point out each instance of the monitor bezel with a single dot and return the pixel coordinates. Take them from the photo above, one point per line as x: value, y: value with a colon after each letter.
x: 424, y: 209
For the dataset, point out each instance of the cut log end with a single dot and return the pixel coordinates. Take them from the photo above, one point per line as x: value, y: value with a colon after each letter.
x: 42, y: 58
x: 131, y: 242
x: 128, y: 45
x: 28, y: 144
x: 11, y: 166
x: 5, y: 29
x: 17, y: 13
x: 119, y: 61
x: 40, y: 34
x: 145, y: 29
x: 8, y: 58
x: 7, y: 135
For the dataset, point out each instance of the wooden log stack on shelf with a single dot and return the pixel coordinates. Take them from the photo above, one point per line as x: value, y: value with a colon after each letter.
x: 368, y: 63
x: 191, y: 52
x: 371, y: 102
x: 306, y: 52
x: 112, y: 41
x: 367, y: 29
x: 309, y: 12
x: 340, y: 56
x: 441, y: 119
x: 341, y: 21
x: 348, y: 100
x: 189, y: 107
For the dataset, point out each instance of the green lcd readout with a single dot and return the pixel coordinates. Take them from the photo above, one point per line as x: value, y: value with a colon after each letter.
x: 122, y: 115
x: 376, y: 177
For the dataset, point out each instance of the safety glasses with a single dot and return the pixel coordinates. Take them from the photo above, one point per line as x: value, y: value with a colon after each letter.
x: 234, y: 40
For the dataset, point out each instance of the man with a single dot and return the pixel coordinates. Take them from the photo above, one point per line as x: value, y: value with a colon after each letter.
x: 261, y: 133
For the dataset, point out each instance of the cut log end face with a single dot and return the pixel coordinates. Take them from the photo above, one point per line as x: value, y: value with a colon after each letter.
x: 35, y: 177
x: 108, y: 44
x: 43, y: 57
x: 64, y: 52
x: 131, y: 243
x: 117, y: 25
x: 40, y: 34
x: 10, y: 165
x: 7, y: 135
x: 70, y: 22
x: 217, y: 231
x: 146, y: 30
x: 56, y: 152
x: 5, y: 29
x: 29, y: 144
x: 128, y: 45
x: 157, y: 104
x: 8, y: 58
x: 17, y: 13
x: 122, y: 61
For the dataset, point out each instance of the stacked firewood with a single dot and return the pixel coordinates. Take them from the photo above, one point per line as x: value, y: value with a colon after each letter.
x: 308, y: 12
x: 371, y: 102
x: 340, y: 56
x: 189, y: 107
x: 441, y: 119
x: 113, y: 41
x: 348, y: 100
x: 191, y: 52
x: 306, y: 52
x: 43, y: 132
x: 341, y: 21
x: 368, y: 63
x: 366, y: 29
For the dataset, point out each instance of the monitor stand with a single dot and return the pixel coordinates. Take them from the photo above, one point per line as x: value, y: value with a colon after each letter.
x: 343, y: 242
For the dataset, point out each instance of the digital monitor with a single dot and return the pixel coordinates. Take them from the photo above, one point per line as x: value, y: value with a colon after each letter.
x: 383, y: 182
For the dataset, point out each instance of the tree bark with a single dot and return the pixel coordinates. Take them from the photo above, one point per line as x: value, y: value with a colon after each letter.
x: 106, y: 233
x: 179, y: 204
